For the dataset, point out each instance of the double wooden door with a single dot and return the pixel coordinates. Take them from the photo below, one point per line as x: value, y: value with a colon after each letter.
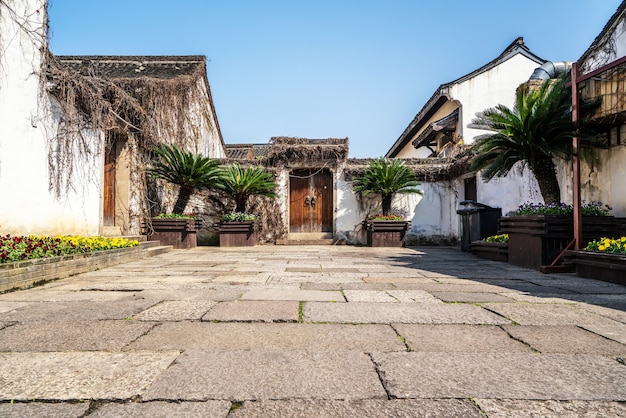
x: 310, y: 201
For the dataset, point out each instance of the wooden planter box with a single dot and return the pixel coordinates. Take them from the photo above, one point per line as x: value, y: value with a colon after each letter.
x: 536, y: 241
x: 599, y: 266
x: 181, y: 233
x: 386, y: 233
x: 497, y: 251
x: 239, y: 234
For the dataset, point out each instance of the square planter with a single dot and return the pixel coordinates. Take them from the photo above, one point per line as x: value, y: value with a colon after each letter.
x: 178, y: 232
x: 497, y: 251
x: 607, y: 267
x: 536, y: 241
x: 239, y: 234
x: 386, y: 233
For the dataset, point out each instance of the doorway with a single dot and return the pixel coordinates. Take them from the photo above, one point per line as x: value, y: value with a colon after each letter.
x: 311, y: 201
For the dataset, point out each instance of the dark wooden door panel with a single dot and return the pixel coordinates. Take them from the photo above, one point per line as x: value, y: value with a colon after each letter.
x: 311, y: 201
x: 108, y: 197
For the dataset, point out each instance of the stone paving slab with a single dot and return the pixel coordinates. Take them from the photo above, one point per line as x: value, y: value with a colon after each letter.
x: 11, y: 306
x: 71, y: 336
x: 581, y: 285
x: 77, y: 311
x: 79, y: 375
x: 196, y: 293
x: 459, y: 338
x: 565, y: 339
x: 264, y: 374
x: 502, y: 376
x: 544, y: 314
x: 608, y: 328
x: 213, y: 409
x: 254, y: 310
x: 414, y: 296
x: 242, y: 278
x: 365, y: 408
x: 277, y: 336
x: 386, y: 313
x: 175, y: 310
x: 471, y: 297
x: 369, y: 296
x: 496, y: 408
x: 47, y: 410
x: 318, y: 277
x: 293, y: 294
x: 398, y: 277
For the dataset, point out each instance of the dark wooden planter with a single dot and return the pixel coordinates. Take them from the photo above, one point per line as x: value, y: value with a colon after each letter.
x: 497, y: 251
x: 386, y: 233
x: 599, y: 266
x: 181, y: 233
x: 239, y: 234
x: 536, y: 241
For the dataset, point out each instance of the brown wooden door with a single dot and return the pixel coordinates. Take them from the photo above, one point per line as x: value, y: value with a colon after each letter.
x: 310, y: 201
x: 108, y: 197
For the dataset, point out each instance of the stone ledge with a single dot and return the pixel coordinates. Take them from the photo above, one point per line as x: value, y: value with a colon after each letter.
x: 24, y: 274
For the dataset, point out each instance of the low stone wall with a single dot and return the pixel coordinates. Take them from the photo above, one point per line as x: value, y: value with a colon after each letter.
x: 28, y: 273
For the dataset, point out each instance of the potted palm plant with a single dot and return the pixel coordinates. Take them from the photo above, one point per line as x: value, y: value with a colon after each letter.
x: 190, y: 172
x: 385, y: 178
x: 240, y: 228
x: 535, y: 132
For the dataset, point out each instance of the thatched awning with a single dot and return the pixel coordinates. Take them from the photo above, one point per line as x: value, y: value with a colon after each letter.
x: 428, y: 135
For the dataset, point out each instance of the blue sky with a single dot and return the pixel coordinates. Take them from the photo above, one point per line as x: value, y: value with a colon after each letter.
x: 326, y: 68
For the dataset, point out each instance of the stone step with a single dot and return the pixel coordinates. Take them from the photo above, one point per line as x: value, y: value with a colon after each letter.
x: 324, y: 241
x: 159, y: 249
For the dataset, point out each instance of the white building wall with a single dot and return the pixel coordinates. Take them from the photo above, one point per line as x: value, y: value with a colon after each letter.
x: 26, y: 125
x: 489, y: 89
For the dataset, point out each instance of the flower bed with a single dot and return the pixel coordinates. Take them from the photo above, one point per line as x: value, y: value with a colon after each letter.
x: 386, y: 233
x: 603, y: 259
x: 495, y: 248
x: 30, y: 272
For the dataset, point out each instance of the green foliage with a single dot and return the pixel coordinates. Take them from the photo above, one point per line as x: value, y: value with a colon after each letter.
x: 239, y: 217
x: 537, y: 129
x: 587, y: 209
x: 381, y: 217
x: 191, y: 172
x: 497, y: 238
x: 241, y: 183
x: 175, y: 216
x: 18, y: 248
x: 608, y: 245
x: 386, y: 177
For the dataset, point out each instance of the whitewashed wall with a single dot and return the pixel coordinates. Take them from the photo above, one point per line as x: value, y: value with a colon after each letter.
x: 26, y: 125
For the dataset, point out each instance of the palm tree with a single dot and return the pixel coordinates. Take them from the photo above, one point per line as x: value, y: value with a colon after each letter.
x: 537, y: 129
x: 386, y: 178
x: 241, y: 183
x: 190, y: 172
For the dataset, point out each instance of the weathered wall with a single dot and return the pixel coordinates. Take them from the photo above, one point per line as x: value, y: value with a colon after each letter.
x: 27, y: 124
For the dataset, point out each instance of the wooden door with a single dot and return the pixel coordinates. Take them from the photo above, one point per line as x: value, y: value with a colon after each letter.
x: 310, y: 201
x: 108, y: 197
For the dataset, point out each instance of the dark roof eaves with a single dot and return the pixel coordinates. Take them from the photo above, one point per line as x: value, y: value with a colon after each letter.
x: 516, y: 47
x: 620, y: 9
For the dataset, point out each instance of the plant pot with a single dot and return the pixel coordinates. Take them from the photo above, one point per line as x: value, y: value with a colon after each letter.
x: 608, y: 267
x: 178, y: 232
x: 536, y: 241
x: 497, y: 251
x: 239, y: 233
x: 386, y: 233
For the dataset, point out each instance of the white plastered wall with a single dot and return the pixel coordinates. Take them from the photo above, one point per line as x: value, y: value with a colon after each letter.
x: 27, y: 123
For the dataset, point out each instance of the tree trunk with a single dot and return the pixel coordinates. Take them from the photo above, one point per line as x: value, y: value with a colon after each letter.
x: 183, y: 198
x: 241, y: 204
x: 545, y: 173
x: 386, y: 204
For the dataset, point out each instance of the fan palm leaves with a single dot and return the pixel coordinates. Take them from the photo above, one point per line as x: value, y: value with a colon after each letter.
x: 191, y: 172
x: 241, y: 183
x: 386, y: 178
x: 537, y: 129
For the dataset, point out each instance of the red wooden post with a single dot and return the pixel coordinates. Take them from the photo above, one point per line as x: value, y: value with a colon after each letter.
x: 578, y: 219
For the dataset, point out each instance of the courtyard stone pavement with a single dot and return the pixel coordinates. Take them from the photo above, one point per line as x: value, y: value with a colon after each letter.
x: 314, y: 331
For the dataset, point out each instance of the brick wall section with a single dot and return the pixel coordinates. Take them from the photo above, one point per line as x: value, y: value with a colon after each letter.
x: 24, y: 274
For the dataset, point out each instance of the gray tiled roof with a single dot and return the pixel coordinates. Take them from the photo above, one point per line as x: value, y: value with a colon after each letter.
x: 133, y: 66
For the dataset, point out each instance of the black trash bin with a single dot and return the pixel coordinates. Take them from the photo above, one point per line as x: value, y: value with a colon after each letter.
x: 478, y: 221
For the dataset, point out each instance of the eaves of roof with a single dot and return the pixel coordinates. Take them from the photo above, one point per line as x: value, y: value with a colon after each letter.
x: 607, y: 28
x: 435, y: 102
